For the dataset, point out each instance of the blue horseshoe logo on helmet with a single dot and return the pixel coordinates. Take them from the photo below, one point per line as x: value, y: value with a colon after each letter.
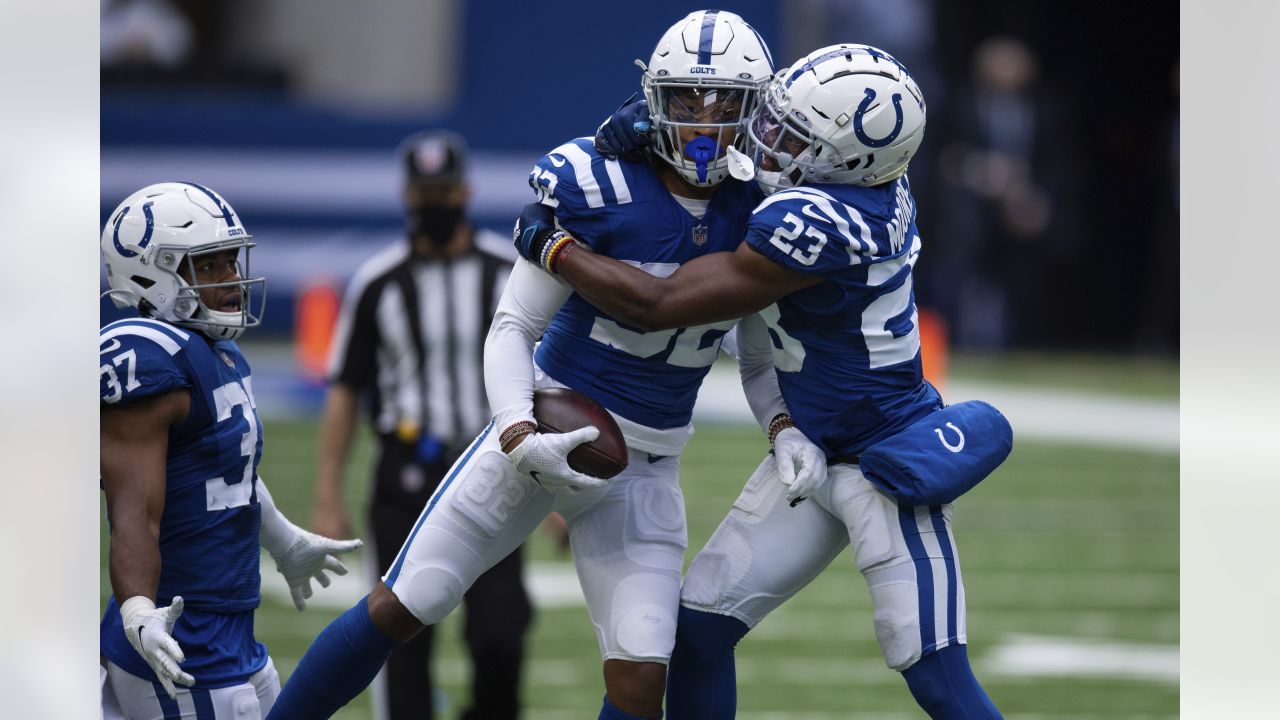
x: 863, y: 106
x: 146, y: 234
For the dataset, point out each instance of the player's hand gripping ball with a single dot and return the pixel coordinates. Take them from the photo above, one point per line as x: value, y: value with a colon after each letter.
x: 561, y: 410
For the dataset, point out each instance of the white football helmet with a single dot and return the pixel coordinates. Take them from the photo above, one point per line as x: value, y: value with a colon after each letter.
x: 847, y: 114
x: 153, y: 232
x: 704, y: 75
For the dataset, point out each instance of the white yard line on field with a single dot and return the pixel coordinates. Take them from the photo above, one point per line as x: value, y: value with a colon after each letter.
x: 1041, y: 656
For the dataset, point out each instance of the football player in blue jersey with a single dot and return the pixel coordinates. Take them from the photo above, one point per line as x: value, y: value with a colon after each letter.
x: 180, y: 444
x: 628, y: 534
x: 825, y: 273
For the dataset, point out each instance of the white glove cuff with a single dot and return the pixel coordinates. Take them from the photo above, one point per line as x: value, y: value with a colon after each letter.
x: 518, y: 452
x: 134, y: 607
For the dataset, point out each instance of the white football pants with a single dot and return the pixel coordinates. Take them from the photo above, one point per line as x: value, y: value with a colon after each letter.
x: 628, y: 541
x: 128, y: 697
x: 765, y: 551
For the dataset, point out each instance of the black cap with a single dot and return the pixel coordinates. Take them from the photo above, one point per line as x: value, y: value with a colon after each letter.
x: 435, y: 157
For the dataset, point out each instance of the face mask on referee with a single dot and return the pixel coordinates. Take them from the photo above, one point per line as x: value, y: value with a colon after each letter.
x: 438, y: 223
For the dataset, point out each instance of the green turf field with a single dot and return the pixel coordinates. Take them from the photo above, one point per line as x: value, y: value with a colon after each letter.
x: 1136, y: 376
x: 1070, y: 556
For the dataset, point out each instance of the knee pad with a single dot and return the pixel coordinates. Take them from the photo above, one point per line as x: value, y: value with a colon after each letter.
x: 643, y: 633
x: 755, y: 561
x: 895, y: 598
x: 719, y: 566
x: 636, y: 621
x: 430, y: 593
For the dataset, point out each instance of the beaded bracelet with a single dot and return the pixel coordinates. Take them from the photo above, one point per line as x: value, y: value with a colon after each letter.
x: 560, y: 242
x: 555, y: 237
x: 780, y: 422
x: 519, y: 428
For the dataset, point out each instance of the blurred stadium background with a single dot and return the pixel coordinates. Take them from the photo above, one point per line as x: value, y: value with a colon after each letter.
x: 1047, y: 188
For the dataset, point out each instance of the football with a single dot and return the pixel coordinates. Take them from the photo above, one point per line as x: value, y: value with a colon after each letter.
x: 559, y: 410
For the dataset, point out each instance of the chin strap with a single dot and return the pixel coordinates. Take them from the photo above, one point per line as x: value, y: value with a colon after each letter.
x: 219, y: 330
x: 120, y: 295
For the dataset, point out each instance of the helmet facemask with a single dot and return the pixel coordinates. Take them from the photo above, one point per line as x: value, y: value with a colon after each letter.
x: 785, y: 151
x: 237, y: 303
x: 696, y: 123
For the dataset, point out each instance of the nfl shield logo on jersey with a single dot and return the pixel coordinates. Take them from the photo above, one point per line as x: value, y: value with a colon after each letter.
x: 700, y: 235
x: 227, y: 359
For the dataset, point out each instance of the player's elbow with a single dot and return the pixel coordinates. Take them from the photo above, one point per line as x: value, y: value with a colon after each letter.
x: 647, y: 309
x: 663, y: 314
x: 641, y: 319
x: 131, y: 523
x: 508, y: 330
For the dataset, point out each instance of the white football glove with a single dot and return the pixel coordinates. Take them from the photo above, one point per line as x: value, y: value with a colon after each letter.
x: 801, y: 464
x: 299, y: 555
x: 150, y: 632
x: 309, y: 557
x: 544, y: 457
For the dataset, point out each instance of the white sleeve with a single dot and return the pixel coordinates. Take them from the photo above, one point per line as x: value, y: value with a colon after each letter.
x: 529, y: 301
x: 277, y: 533
x: 754, y: 352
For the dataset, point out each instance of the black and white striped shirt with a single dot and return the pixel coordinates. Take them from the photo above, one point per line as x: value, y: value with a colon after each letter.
x: 413, y: 330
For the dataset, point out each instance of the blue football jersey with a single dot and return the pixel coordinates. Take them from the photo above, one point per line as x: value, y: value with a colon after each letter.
x: 847, y: 350
x: 211, y: 519
x: 622, y: 210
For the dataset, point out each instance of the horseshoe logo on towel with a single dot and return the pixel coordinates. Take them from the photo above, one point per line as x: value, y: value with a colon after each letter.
x: 947, y: 445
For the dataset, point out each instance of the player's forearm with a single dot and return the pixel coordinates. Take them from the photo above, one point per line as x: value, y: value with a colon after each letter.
x: 621, y: 290
x: 704, y: 290
x: 529, y: 302
x: 756, y: 368
x: 134, y: 558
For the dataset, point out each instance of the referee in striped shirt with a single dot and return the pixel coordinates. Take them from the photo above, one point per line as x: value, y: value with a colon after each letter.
x: 410, y: 340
